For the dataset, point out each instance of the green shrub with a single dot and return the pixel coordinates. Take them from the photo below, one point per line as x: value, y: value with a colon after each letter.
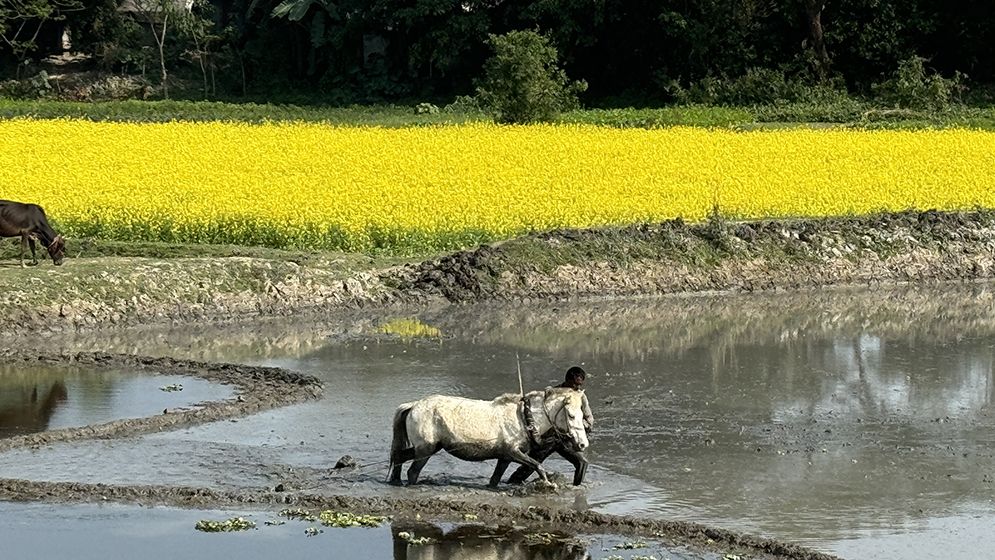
x: 911, y: 87
x: 464, y: 104
x: 843, y: 109
x: 759, y: 86
x: 426, y: 109
x: 687, y: 115
x: 523, y: 82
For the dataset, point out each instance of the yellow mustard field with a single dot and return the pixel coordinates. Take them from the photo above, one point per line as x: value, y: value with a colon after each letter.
x: 318, y: 186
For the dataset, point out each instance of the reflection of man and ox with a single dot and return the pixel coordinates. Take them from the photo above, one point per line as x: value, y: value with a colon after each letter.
x: 477, y: 542
x: 512, y: 428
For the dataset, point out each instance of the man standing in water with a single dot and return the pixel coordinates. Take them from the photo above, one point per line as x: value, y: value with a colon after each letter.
x: 552, y: 443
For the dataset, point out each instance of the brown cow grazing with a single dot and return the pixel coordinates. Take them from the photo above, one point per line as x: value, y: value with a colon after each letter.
x: 28, y: 221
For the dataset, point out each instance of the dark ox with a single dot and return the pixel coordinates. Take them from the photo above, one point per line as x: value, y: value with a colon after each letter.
x: 29, y: 222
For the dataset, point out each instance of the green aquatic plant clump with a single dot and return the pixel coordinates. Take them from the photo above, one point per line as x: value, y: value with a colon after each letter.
x: 229, y: 525
x: 344, y: 519
x: 298, y: 513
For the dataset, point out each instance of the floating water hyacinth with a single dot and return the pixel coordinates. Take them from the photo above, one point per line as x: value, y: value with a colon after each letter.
x: 233, y: 524
x: 447, y: 187
x: 343, y: 519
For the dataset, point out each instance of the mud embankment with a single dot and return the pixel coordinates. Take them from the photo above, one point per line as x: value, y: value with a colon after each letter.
x: 667, y: 258
x: 257, y: 389
x: 674, y: 257
x: 532, y: 517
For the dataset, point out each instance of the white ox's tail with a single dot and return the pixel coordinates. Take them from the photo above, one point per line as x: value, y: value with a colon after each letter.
x: 400, y: 441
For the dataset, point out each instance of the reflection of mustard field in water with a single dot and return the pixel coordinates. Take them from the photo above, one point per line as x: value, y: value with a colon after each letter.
x: 408, y: 328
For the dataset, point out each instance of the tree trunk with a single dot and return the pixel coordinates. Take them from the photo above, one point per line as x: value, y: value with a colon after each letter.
x: 160, y: 39
x: 241, y: 65
x: 162, y: 56
x: 813, y: 9
x: 201, y: 53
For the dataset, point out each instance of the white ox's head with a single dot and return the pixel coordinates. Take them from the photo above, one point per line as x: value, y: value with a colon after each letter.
x: 571, y: 420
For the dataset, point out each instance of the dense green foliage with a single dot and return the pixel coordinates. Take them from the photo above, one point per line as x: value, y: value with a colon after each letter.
x: 165, y: 111
x: 847, y: 112
x: 630, y: 53
x: 523, y: 82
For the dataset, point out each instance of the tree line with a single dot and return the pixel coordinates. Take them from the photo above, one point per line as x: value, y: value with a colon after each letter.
x: 628, y: 51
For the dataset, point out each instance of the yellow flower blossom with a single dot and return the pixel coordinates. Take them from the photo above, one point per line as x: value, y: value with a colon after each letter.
x: 445, y: 187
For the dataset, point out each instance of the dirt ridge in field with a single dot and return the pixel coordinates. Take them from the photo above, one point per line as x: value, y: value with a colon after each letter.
x: 532, y: 517
x: 649, y: 259
x: 257, y: 389
x: 718, y: 256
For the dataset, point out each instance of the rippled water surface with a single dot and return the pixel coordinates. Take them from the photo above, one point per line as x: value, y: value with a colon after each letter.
x: 855, y: 421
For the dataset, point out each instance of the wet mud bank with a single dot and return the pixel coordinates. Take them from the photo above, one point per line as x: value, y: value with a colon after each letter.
x: 718, y: 256
x: 536, y: 518
x: 667, y: 258
x: 257, y: 389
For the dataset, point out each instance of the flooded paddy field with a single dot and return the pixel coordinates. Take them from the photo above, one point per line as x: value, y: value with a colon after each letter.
x: 856, y: 422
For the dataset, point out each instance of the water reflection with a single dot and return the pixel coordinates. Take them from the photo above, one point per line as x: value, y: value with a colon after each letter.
x: 473, y: 542
x: 35, y: 399
x: 261, y: 339
x: 27, y: 404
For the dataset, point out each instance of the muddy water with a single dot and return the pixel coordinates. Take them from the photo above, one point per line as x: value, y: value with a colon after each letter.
x: 97, y: 532
x: 38, y: 398
x: 855, y: 421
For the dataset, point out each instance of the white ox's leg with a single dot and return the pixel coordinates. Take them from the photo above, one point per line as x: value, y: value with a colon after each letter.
x: 422, y: 453
x: 524, y: 459
x: 502, y: 465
